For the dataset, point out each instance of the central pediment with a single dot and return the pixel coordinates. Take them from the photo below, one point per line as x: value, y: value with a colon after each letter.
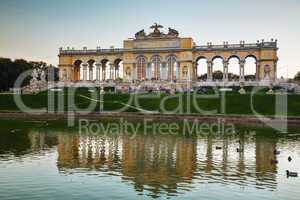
x: 157, y: 39
x: 157, y: 43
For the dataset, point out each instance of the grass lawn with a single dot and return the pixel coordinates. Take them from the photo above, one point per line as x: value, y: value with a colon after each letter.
x: 163, y: 103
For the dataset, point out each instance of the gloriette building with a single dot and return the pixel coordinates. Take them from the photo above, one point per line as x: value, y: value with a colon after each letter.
x: 165, y: 57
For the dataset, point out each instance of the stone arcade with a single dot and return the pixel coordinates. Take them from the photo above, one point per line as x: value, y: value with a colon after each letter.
x: 165, y: 58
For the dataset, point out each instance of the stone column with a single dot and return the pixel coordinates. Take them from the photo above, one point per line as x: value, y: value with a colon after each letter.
x: 225, y: 70
x: 84, y: 66
x: 257, y: 70
x: 195, y: 71
x: 98, y: 67
x: 242, y: 71
x: 275, y: 70
x: 134, y: 71
x: 178, y: 71
x: 209, y: 71
x: 90, y: 73
x: 111, y: 70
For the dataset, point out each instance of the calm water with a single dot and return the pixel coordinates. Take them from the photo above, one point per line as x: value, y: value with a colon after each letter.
x: 50, y: 163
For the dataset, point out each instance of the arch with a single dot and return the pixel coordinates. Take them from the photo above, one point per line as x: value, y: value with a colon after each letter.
x: 77, y: 62
x: 250, y: 56
x: 217, y: 57
x: 154, y: 57
x: 171, y: 67
x: 91, y: 69
x: 217, y: 67
x: 141, y: 56
x: 91, y: 62
x: 118, y: 68
x: 234, y: 56
x: 77, y: 70
x: 250, y: 68
x: 117, y: 60
x: 200, y: 57
x: 201, y: 65
x: 104, y: 69
x: 141, y: 63
x: 156, y: 66
x: 104, y: 61
x: 233, y: 68
x: 171, y: 56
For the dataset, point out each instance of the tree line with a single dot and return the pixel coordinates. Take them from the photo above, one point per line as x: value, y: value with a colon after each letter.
x: 11, y: 69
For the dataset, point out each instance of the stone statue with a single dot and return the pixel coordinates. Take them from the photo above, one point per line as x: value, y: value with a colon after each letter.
x: 242, y: 90
x: 267, y: 71
x: 173, y: 32
x: 35, y: 75
x: 156, y: 27
x: 43, y: 76
x: 140, y: 34
x: 156, y: 32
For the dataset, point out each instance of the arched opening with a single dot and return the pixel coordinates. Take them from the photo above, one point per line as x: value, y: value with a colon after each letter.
x: 77, y: 70
x: 202, y: 68
x: 91, y: 70
x: 171, y: 68
x: 233, y: 68
x: 217, y: 68
x: 104, y: 70
x: 155, y: 67
x: 250, y: 68
x: 118, y: 64
x: 141, y: 67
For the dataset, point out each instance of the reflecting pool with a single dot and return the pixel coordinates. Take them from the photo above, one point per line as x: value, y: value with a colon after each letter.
x: 42, y: 162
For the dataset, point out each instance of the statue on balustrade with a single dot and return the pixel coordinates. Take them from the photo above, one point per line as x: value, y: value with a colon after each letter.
x: 140, y: 34
x: 173, y: 32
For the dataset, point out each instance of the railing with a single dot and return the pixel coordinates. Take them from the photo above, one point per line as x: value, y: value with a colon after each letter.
x: 242, y: 45
x: 238, y: 46
x: 90, y: 51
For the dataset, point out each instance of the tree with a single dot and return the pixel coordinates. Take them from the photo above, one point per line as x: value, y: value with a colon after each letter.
x: 233, y: 77
x: 250, y: 77
x: 297, y: 76
x: 218, y: 75
x: 202, y: 77
x: 10, y: 71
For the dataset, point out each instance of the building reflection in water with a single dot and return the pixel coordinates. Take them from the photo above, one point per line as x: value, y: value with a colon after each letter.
x: 169, y: 164
x: 158, y: 164
x: 24, y: 142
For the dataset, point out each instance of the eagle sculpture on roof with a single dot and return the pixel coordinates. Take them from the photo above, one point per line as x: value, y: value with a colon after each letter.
x: 156, y: 27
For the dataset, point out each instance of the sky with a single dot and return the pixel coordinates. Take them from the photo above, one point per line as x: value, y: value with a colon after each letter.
x: 35, y: 29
